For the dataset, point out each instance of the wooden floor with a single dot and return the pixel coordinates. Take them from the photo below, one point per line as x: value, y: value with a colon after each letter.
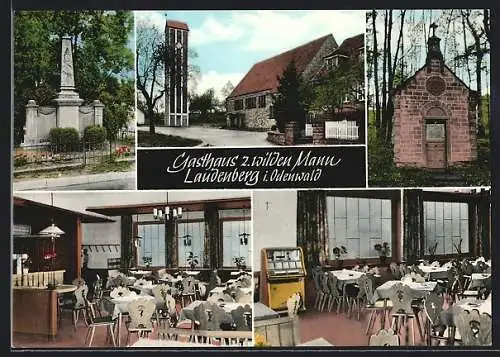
x: 341, y: 330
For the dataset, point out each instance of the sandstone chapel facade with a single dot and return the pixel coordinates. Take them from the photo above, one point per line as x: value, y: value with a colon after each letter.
x: 435, y: 116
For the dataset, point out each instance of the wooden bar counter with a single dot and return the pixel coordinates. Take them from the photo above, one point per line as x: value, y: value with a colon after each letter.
x: 35, y: 309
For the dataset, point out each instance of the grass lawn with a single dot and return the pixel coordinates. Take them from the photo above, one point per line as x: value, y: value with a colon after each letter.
x: 161, y: 140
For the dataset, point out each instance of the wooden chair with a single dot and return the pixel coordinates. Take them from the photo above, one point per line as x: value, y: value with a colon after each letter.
x: 188, y: 290
x: 474, y: 328
x: 384, y: 338
x: 80, y: 304
x: 402, y: 309
x: 333, y: 292
x: 245, y: 281
x: 379, y: 307
x: 93, y: 322
x: 316, y: 276
x: 140, y: 317
x: 242, y: 318
x: 325, y: 291
x: 361, y: 298
x: 166, y: 311
x: 435, y: 331
x: 396, y: 272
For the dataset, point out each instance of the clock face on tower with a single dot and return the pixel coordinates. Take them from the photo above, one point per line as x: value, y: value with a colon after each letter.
x: 178, y: 45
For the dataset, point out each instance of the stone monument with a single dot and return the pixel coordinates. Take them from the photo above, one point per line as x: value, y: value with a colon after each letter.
x: 434, y: 121
x: 68, y: 112
x: 67, y: 101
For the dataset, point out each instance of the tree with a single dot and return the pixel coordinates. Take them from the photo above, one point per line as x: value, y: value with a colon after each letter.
x: 341, y: 83
x: 117, y: 111
x: 288, y: 103
x: 151, y: 51
x: 101, y: 55
x: 205, y: 103
x: 227, y: 89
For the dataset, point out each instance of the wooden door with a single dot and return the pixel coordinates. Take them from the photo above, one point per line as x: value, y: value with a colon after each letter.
x: 436, y: 143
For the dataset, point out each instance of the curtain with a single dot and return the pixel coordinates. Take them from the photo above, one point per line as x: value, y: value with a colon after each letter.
x: 413, y: 241
x: 211, y: 215
x: 171, y: 260
x: 481, y: 219
x: 127, y: 241
x: 312, y: 226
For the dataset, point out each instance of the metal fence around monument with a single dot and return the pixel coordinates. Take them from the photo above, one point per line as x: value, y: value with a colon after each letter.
x: 48, y: 155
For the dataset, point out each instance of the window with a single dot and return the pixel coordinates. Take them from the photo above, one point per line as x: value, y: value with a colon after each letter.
x: 358, y: 224
x: 152, y: 244
x: 236, y: 232
x: 271, y: 112
x: 190, y: 238
x: 445, y: 223
x: 262, y: 101
x: 250, y: 103
x: 238, y: 104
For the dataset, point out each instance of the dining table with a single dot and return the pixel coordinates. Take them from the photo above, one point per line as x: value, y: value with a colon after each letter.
x: 418, y: 290
x: 187, y: 313
x: 433, y: 272
x: 346, y: 277
x: 221, y: 289
x: 157, y: 343
x: 118, y: 306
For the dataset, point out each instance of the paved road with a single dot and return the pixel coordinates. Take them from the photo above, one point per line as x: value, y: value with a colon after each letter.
x: 105, y: 181
x: 217, y: 137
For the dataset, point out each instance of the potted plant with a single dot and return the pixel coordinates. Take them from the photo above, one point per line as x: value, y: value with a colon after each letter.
x: 458, y: 248
x: 432, y: 251
x: 147, y: 260
x: 192, y: 260
x: 240, y: 262
x: 339, y: 252
x: 383, y: 251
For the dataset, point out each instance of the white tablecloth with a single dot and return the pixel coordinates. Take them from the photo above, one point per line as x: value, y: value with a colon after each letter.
x: 141, y: 272
x: 418, y: 289
x: 144, y: 342
x: 346, y: 277
x: 221, y: 289
x: 434, y: 272
x: 121, y: 303
x: 190, y: 272
x: 146, y: 289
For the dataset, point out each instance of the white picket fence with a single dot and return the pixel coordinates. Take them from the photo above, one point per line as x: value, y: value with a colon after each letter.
x: 309, y: 130
x: 346, y: 130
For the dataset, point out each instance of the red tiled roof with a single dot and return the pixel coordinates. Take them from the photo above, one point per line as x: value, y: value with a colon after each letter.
x: 264, y: 75
x: 177, y: 25
x: 349, y: 45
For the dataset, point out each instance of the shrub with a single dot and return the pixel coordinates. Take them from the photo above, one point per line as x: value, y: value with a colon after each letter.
x: 20, y: 160
x: 64, y: 139
x: 94, y: 135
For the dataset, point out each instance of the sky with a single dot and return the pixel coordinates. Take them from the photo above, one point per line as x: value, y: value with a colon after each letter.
x: 228, y: 43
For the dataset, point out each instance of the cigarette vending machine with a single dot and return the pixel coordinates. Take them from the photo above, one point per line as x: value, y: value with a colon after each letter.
x: 283, y: 274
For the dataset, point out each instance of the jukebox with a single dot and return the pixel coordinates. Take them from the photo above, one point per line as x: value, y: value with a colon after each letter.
x: 283, y: 274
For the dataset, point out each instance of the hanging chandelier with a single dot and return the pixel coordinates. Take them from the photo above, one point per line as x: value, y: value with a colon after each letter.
x: 167, y: 213
x: 52, y: 231
x: 244, y: 235
x: 187, y: 238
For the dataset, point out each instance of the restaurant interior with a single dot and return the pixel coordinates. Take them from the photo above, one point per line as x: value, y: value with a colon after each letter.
x: 132, y: 269
x: 372, y: 267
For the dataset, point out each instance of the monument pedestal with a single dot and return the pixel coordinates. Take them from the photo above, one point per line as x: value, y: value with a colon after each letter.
x: 68, y: 104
